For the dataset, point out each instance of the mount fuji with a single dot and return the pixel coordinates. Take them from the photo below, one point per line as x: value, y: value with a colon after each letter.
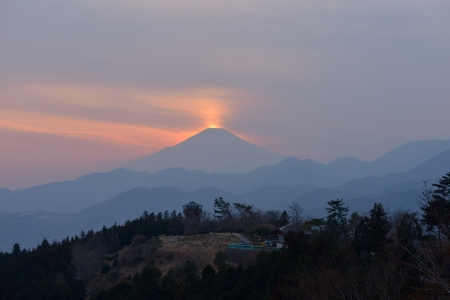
x: 213, y: 150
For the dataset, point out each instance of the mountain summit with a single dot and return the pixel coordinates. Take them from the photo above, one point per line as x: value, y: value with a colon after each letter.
x: 213, y: 150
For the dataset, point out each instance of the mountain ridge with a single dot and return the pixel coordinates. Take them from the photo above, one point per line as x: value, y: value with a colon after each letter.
x: 72, y: 196
x: 433, y: 169
x: 400, y: 159
x: 213, y: 150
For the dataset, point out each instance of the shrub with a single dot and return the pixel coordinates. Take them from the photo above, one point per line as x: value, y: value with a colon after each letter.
x: 105, y: 268
x: 137, y: 240
x: 138, y: 259
x: 112, y: 256
x: 113, y: 276
x: 170, y: 255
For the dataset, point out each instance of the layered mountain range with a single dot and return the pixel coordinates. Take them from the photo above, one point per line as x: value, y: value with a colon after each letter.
x: 216, y: 163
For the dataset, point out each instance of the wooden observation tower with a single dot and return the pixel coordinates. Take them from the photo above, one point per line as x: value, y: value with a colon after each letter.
x: 192, y: 213
x: 192, y: 210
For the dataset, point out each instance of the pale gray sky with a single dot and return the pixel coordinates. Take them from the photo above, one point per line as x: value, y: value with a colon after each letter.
x: 85, y: 85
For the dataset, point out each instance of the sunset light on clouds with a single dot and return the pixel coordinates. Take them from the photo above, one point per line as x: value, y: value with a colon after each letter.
x: 122, y: 117
x: 88, y: 85
x: 138, y: 121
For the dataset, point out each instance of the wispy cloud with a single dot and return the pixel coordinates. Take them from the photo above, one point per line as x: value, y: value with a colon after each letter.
x: 125, y: 116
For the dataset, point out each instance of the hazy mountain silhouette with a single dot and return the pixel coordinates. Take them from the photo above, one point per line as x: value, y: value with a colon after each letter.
x: 131, y: 204
x: 274, y: 186
x: 5, y: 192
x: 72, y: 196
x: 317, y: 198
x: 410, y: 155
x: 400, y: 159
x: 398, y: 188
x: 405, y: 200
x: 432, y: 170
x: 29, y: 228
x: 214, y: 150
x: 265, y: 197
x: 222, y: 147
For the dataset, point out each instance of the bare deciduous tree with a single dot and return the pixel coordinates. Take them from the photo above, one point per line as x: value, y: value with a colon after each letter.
x: 295, y: 211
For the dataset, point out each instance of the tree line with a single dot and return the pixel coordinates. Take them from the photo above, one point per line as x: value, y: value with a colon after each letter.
x: 373, y: 255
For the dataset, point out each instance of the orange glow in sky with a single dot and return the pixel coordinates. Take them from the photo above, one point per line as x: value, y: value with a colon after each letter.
x: 94, y: 128
x: 143, y: 120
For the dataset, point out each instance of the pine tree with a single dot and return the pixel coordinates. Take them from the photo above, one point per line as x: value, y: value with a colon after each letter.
x: 379, y: 227
x: 221, y: 208
x: 337, y: 216
x: 370, y: 235
x: 284, y: 219
x: 16, y: 249
x: 442, y: 190
x: 435, y: 206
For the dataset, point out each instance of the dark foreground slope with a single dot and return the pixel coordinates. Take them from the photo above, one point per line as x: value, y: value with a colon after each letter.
x: 367, y: 256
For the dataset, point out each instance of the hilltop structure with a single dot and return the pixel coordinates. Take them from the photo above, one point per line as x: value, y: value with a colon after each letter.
x: 192, y: 212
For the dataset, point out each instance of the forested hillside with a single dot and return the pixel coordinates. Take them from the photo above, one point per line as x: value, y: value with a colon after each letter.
x: 373, y: 255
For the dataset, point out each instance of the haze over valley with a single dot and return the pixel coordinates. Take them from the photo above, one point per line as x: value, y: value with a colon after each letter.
x: 58, y: 209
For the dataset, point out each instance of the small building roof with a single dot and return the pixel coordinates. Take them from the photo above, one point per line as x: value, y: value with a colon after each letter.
x: 192, y: 203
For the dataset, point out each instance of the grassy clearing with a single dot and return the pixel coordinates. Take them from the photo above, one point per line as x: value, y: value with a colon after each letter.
x: 199, y: 249
x: 167, y: 253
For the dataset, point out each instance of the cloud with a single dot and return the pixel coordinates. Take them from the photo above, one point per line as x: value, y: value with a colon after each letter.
x: 134, y: 117
x: 260, y: 6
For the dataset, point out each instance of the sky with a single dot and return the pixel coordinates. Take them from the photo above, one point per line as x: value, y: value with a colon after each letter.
x: 86, y: 85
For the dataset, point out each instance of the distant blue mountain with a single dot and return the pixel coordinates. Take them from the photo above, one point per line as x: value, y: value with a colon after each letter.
x: 316, y: 198
x: 72, y: 196
x: 220, y: 146
x: 432, y: 170
x: 405, y: 200
x: 265, y: 197
x: 401, y: 159
x: 5, y: 192
x: 29, y: 228
x: 213, y: 150
x: 58, y: 209
x: 409, y: 156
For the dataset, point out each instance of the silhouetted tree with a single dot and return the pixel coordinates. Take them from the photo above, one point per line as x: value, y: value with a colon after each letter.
x: 370, y: 235
x: 284, y: 219
x: 295, y: 211
x: 435, y: 206
x: 337, y: 216
x: 222, y: 209
x: 16, y: 249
